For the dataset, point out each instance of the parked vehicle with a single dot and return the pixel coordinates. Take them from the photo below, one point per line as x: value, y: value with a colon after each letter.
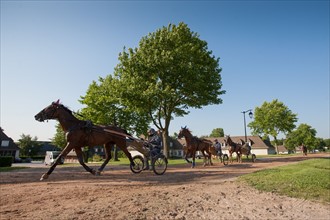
x: 51, y: 156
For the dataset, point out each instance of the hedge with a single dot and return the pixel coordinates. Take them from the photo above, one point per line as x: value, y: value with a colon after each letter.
x: 6, y: 161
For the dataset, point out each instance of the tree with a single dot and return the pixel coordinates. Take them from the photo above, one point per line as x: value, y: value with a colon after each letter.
x: 217, y: 132
x: 104, y: 106
x: 304, y: 134
x: 29, y: 146
x: 171, y: 71
x: 271, y: 119
x: 59, y: 137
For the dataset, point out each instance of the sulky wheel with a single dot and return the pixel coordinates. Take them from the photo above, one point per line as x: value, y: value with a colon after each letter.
x: 225, y: 159
x: 159, y: 164
x: 139, y: 164
x: 254, y: 158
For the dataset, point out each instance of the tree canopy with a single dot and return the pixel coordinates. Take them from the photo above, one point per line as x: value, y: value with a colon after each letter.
x: 170, y: 71
x: 105, y: 106
x: 304, y: 134
x: 29, y: 146
x: 272, y: 118
x: 59, y: 137
x: 217, y: 132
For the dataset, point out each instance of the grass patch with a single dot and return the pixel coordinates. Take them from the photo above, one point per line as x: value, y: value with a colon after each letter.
x: 309, y: 179
x: 8, y: 169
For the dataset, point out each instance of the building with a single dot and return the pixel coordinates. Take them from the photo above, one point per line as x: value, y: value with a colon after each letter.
x: 8, y: 147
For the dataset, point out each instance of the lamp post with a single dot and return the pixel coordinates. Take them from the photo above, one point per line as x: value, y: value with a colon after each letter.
x: 250, y: 115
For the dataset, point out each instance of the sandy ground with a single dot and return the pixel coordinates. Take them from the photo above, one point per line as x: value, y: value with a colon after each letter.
x: 181, y: 193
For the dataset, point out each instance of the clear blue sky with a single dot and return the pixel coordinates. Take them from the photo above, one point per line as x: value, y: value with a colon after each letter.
x: 268, y: 50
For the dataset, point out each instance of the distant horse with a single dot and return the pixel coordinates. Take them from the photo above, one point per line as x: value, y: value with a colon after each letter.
x: 81, y: 133
x: 233, y: 148
x: 304, y: 148
x: 246, y: 150
x: 195, y: 144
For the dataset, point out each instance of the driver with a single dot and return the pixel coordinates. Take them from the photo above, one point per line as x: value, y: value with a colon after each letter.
x: 156, y: 145
x: 217, y: 147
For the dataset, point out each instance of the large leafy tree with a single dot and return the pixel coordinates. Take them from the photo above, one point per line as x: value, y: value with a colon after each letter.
x: 104, y: 106
x: 272, y: 118
x: 29, y: 145
x: 170, y: 71
x: 304, y: 134
x: 217, y: 132
x: 59, y: 137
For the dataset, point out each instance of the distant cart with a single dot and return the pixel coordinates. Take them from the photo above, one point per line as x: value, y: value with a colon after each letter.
x: 158, y: 162
x: 51, y: 156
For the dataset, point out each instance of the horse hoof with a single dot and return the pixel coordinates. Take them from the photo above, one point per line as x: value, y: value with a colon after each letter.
x: 97, y: 173
x: 44, y: 176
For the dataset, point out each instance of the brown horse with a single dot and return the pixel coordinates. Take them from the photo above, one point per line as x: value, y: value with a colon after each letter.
x: 195, y: 144
x: 246, y: 150
x: 304, y: 148
x: 83, y: 133
x: 233, y: 148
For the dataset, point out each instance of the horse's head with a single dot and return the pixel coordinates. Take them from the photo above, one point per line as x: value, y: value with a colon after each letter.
x: 50, y: 112
x: 183, y: 132
x: 228, y: 140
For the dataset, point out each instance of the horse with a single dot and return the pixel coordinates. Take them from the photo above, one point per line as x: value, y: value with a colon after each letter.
x: 195, y: 144
x: 233, y: 148
x: 304, y: 148
x: 81, y: 133
x: 246, y: 150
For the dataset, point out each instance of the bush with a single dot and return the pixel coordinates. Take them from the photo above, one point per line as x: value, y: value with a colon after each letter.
x: 6, y: 161
x: 97, y: 158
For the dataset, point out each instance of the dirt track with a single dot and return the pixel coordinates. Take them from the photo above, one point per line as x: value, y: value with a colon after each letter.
x: 181, y: 193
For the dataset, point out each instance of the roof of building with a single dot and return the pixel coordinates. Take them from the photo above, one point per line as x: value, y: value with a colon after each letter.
x: 10, y: 145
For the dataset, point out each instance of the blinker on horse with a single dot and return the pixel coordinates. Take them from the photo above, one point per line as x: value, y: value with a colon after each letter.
x: 81, y: 133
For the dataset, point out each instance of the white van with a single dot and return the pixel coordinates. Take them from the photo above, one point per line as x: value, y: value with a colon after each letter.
x: 51, y: 157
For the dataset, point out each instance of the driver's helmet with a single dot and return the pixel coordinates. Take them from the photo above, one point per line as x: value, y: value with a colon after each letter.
x: 151, y: 131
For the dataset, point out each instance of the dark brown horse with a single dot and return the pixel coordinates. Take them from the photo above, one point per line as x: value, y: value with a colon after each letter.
x: 246, y: 150
x: 304, y: 149
x: 233, y: 148
x: 194, y: 144
x: 81, y: 133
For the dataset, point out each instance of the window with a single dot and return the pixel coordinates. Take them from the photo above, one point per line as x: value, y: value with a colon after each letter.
x: 5, y: 143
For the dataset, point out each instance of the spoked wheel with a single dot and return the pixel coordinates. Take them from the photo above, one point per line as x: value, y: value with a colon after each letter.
x: 159, y: 164
x: 138, y: 164
x: 225, y: 159
x: 254, y: 158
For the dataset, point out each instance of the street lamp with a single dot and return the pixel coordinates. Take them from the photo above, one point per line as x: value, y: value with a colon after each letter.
x: 250, y: 115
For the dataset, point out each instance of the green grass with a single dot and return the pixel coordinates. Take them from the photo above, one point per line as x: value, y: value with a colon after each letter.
x: 308, y: 179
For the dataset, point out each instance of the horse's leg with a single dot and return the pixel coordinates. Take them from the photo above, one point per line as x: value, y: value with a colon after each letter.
x: 80, y: 157
x: 204, y: 158
x: 193, y: 158
x: 231, y: 156
x: 60, y: 157
x: 107, y: 149
x: 127, y: 153
x: 210, y: 157
x: 186, y: 158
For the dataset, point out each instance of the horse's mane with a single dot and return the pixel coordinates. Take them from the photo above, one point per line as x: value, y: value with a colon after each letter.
x: 66, y: 108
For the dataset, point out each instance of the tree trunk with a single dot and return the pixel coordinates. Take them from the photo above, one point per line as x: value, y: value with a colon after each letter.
x: 165, y: 143
x: 276, y: 147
